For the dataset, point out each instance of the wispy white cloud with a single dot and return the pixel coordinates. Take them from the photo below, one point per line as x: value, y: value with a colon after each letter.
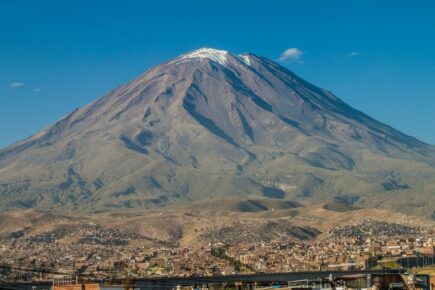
x: 15, y: 85
x: 353, y: 53
x: 292, y: 53
x: 37, y: 90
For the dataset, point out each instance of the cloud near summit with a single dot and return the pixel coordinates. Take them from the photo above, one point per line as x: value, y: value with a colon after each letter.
x: 292, y: 53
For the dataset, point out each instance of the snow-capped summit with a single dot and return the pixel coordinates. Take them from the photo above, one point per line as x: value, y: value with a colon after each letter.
x: 219, y: 56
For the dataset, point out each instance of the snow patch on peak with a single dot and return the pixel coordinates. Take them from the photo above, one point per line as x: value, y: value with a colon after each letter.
x: 245, y: 58
x: 219, y: 56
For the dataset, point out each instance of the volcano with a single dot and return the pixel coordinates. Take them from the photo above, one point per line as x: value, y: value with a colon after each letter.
x: 211, y: 125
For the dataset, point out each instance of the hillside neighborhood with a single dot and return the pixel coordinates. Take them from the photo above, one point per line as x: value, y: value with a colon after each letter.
x: 105, y: 253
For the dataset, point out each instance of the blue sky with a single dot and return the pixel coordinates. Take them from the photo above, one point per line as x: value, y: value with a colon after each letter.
x: 378, y: 56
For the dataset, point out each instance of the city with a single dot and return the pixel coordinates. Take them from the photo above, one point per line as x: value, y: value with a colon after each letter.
x: 105, y: 254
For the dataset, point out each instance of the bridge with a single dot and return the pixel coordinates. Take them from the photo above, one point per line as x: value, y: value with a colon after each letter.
x: 256, y: 279
x: 219, y: 282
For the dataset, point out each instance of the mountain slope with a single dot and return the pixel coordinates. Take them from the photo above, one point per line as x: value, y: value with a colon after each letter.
x: 210, y: 124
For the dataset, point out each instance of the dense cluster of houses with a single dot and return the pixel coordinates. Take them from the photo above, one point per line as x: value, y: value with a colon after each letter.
x: 337, y: 252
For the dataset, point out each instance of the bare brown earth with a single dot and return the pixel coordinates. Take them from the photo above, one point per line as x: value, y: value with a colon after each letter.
x: 201, y: 223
